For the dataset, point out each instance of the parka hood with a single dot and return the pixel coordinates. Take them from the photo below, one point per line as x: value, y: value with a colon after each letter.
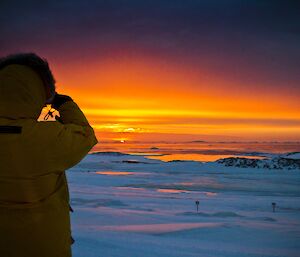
x: 22, y: 93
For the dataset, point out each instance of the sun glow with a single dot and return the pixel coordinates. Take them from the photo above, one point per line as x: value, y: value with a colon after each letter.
x: 147, y: 96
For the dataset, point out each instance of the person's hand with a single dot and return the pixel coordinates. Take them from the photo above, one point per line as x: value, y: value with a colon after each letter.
x: 59, y: 100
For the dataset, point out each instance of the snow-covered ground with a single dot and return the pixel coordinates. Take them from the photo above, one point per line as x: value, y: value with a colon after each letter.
x: 133, y: 206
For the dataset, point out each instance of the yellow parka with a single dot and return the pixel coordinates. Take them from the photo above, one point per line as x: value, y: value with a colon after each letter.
x: 34, y: 197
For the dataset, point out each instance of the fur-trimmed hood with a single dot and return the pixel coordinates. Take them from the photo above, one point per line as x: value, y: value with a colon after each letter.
x: 36, y: 63
x: 22, y: 92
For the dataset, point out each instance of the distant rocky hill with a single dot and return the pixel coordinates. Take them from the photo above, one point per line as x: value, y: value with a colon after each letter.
x: 273, y: 163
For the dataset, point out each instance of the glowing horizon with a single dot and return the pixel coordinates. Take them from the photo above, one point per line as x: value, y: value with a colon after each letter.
x: 180, y: 70
x: 122, y: 100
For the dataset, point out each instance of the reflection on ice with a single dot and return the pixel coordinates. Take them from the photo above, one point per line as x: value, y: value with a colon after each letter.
x: 210, y: 194
x: 159, y: 228
x: 167, y: 190
x: 115, y: 173
x: 198, y: 157
x: 129, y: 188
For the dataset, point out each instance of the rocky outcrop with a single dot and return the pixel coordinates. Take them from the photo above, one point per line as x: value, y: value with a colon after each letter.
x: 275, y: 163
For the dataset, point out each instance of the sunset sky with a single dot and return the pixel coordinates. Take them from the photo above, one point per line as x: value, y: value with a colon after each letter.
x: 169, y: 70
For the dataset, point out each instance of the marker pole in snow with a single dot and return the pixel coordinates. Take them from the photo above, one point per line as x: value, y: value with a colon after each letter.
x: 273, y: 206
x: 197, y: 205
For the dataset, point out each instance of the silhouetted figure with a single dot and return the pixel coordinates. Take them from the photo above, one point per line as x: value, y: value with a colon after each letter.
x: 273, y: 206
x: 197, y: 205
x: 34, y: 197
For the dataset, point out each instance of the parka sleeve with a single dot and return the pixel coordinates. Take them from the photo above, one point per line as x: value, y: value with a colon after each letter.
x: 74, y: 138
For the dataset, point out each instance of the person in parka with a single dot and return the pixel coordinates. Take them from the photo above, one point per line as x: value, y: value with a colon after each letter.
x: 34, y: 155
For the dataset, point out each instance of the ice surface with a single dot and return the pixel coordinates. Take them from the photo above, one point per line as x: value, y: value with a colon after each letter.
x: 294, y: 156
x: 147, y: 208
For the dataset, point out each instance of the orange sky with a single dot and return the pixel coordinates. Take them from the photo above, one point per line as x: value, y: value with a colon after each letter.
x: 169, y: 70
x: 152, y: 99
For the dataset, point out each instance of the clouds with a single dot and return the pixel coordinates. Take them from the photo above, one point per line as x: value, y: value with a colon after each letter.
x: 256, y: 40
x: 218, y: 34
x: 244, y: 51
x: 138, y: 20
